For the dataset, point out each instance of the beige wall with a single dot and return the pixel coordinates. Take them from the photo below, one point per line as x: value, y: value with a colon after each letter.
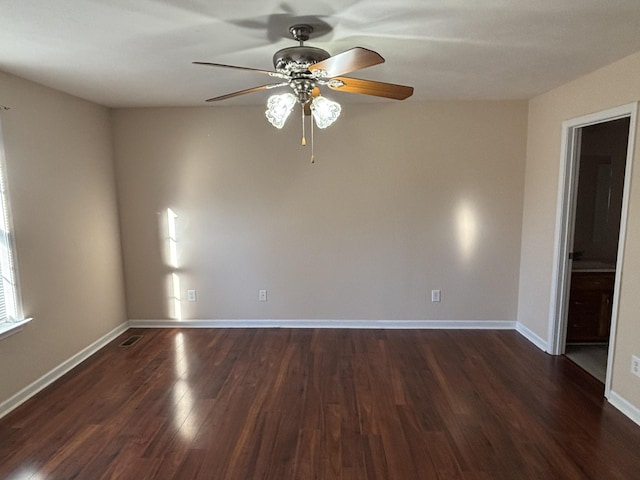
x: 62, y: 193
x: 403, y: 198
x: 609, y: 87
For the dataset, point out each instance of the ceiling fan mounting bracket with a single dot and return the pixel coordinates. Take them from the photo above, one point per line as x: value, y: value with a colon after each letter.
x: 301, y: 32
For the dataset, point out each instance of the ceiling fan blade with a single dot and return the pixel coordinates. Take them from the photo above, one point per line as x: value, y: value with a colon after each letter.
x: 248, y: 90
x: 370, y: 87
x: 266, y: 72
x: 348, y: 61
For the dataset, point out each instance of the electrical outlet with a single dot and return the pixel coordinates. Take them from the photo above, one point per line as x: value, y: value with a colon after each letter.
x: 435, y: 296
x: 191, y: 295
x: 635, y: 365
x: 262, y: 295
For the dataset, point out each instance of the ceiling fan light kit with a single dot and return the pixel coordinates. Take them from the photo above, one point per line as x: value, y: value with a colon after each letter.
x: 304, y: 70
x: 324, y: 111
x: 279, y: 107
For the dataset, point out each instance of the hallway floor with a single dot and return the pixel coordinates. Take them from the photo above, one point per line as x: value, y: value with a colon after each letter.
x: 592, y: 358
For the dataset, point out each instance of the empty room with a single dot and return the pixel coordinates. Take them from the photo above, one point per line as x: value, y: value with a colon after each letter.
x: 319, y: 240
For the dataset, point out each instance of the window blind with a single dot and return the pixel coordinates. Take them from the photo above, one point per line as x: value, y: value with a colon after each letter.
x: 8, y: 302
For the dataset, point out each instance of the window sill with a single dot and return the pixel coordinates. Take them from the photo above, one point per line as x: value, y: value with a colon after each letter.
x: 8, y: 329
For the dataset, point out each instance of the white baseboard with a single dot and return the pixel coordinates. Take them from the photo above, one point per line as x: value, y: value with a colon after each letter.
x: 532, y: 337
x: 624, y: 406
x: 365, y: 324
x: 30, y: 390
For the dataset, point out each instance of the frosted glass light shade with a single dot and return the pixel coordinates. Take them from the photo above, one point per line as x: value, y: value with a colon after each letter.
x: 325, y: 111
x: 279, y: 107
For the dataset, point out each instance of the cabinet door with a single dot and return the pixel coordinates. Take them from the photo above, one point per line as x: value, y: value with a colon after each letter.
x: 589, y: 317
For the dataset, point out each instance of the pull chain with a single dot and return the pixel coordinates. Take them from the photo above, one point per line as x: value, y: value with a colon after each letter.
x: 313, y: 158
x: 304, y: 140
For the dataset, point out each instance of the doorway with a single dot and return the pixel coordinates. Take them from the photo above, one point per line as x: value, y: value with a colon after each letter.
x: 592, y: 211
x: 596, y: 229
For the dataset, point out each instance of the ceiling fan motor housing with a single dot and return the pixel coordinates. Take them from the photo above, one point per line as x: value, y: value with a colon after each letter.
x: 298, y: 59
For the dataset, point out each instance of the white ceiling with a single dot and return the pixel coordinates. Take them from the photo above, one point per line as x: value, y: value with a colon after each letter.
x: 139, y: 52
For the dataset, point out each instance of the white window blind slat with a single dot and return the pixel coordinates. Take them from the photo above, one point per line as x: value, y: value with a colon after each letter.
x: 8, y: 291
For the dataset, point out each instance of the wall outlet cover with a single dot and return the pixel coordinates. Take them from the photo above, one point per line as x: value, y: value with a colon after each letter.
x: 635, y: 365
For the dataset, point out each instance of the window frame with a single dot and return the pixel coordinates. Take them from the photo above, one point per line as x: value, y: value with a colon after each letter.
x: 14, y: 321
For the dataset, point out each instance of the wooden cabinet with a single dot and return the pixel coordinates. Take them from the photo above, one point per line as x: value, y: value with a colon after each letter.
x: 590, y: 298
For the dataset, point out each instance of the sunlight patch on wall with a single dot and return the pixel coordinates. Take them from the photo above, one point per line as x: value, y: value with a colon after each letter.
x: 175, y: 301
x: 172, y: 243
x: 173, y: 284
x: 467, y: 229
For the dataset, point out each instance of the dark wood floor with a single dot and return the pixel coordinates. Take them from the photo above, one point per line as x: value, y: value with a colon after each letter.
x: 321, y: 404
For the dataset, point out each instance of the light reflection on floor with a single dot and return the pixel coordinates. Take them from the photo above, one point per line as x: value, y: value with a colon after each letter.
x: 184, y: 415
x: 27, y: 473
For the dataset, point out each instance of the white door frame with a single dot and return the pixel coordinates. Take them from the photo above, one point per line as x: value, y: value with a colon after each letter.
x: 567, y: 187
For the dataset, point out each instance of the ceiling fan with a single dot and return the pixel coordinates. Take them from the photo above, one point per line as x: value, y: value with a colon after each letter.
x: 304, y: 70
